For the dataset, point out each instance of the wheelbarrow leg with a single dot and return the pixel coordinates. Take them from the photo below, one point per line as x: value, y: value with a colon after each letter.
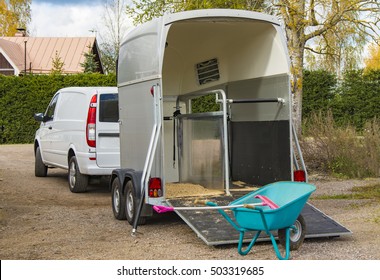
x: 241, y: 240
x: 274, y: 243
x: 287, y: 246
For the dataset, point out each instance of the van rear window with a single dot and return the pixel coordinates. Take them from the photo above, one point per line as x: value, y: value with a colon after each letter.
x: 109, y: 107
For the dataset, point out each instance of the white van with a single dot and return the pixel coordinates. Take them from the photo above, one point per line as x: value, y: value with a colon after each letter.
x: 80, y: 132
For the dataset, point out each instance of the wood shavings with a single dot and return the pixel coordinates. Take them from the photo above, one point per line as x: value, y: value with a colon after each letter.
x: 186, y: 190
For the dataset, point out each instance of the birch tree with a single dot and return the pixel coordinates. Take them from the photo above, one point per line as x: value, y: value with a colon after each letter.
x: 327, y: 24
x: 115, y: 21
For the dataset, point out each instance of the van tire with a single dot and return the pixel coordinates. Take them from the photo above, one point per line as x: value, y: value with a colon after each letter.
x: 296, y: 238
x: 40, y: 169
x: 131, y: 204
x: 118, y: 200
x: 77, y: 181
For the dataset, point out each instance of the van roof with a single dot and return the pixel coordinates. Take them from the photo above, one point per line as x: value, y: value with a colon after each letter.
x: 89, y: 90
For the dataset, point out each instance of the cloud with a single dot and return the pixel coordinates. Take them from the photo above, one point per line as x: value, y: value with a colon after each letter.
x: 63, y: 20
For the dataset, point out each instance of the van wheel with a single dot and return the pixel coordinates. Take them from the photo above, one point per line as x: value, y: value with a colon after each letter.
x: 77, y: 181
x: 296, y: 236
x: 40, y: 169
x: 131, y: 204
x: 118, y: 201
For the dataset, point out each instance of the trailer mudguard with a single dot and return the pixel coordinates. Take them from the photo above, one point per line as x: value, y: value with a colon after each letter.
x: 129, y: 174
x: 123, y: 175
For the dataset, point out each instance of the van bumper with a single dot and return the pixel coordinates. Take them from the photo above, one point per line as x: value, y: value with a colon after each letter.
x: 88, y: 166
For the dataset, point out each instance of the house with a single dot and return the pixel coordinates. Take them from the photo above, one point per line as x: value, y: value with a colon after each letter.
x: 22, y: 54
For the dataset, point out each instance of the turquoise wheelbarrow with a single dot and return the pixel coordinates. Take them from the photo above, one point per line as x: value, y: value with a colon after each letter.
x: 281, y: 212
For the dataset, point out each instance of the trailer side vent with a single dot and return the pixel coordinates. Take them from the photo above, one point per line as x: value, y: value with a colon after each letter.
x: 208, y: 71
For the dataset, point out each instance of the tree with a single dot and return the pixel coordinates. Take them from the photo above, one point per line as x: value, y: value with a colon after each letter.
x: 145, y: 10
x: 90, y: 65
x: 57, y: 64
x: 14, y: 14
x: 327, y: 23
x: 115, y: 22
x: 324, y: 27
x: 373, y: 60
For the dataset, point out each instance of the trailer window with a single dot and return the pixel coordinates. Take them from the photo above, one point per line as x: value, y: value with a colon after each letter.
x: 109, y: 107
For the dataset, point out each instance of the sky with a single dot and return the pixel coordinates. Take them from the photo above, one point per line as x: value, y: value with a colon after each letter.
x: 66, y: 18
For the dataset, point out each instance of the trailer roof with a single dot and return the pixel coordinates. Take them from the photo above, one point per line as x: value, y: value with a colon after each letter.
x: 219, y: 14
x: 141, y: 55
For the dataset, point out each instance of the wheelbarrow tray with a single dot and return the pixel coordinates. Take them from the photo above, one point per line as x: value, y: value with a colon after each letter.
x: 290, y: 197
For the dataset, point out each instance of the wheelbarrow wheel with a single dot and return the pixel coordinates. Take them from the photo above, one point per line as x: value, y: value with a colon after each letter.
x: 296, y: 236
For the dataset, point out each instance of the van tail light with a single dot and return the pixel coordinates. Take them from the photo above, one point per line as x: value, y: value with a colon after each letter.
x: 155, y: 187
x: 299, y: 176
x: 91, y: 122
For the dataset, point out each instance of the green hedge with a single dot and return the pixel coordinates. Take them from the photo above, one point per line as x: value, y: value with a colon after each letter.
x: 354, y: 100
x: 21, y: 97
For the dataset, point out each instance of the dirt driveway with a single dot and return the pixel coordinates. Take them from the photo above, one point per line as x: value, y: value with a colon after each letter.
x: 41, y: 219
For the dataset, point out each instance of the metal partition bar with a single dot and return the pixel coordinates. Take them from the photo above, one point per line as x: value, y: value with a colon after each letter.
x: 225, y: 136
x: 224, y: 102
x: 258, y: 100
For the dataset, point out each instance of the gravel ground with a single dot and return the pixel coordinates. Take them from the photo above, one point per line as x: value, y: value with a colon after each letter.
x: 41, y: 219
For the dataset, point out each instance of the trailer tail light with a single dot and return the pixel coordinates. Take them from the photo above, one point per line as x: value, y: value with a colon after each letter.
x: 91, y: 122
x: 299, y: 176
x: 155, y: 187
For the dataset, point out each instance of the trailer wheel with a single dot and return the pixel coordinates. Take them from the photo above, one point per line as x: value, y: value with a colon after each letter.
x: 40, y: 169
x: 296, y: 236
x: 131, y: 204
x: 118, y: 201
x: 77, y: 181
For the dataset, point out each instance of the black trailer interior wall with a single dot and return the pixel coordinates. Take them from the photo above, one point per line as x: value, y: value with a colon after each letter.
x: 260, y: 151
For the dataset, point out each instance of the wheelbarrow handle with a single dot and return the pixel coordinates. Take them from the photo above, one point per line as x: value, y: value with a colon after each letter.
x: 211, y: 206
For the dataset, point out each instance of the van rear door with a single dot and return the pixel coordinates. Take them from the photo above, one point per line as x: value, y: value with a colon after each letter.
x: 107, y: 131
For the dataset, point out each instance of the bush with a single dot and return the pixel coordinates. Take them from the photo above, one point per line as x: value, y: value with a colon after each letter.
x: 318, y: 92
x: 341, y: 151
x: 357, y: 99
x: 21, y: 97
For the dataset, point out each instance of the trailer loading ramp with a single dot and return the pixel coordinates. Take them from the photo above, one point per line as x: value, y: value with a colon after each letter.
x: 213, y: 229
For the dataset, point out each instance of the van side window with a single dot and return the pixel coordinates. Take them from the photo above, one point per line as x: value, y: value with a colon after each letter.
x: 49, y: 115
x: 109, y: 107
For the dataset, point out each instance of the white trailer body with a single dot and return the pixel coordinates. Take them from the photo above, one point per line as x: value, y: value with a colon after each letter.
x: 239, y: 56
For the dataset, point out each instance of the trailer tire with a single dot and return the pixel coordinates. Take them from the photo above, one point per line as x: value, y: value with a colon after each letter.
x: 118, y: 200
x: 131, y: 204
x: 77, y: 181
x: 40, y: 169
x: 296, y: 238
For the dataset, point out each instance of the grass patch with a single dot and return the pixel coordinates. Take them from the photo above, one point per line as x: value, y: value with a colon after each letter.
x: 366, y: 192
